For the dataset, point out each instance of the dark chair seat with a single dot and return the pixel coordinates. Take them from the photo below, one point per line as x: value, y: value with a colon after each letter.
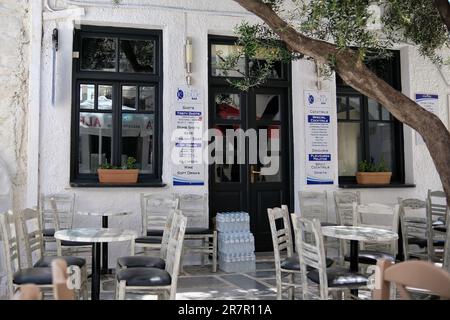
x: 39, y: 276
x: 148, y: 240
x: 75, y: 244
x: 339, y: 277
x: 198, y: 231
x: 371, y: 257
x: 440, y: 228
x: 422, y: 243
x: 46, y: 262
x: 141, y: 262
x: 144, y: 277
x: 48, y: 232
x: 328, y: 224
x: 293, y: 263
x: 155, y: 233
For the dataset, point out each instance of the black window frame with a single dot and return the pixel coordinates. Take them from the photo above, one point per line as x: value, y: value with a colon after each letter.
x: 117, y: 79
x: 392, y: 75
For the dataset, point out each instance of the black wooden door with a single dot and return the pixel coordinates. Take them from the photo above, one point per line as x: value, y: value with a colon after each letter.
x: 252, y: 186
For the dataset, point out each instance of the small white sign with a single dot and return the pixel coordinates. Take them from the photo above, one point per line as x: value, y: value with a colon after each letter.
x: 429, y: 102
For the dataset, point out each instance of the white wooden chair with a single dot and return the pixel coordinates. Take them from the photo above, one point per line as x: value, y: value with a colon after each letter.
x: 195, y: 209
x: 420, y: 275
x: 154, y: 280
x: 66, y: 204
x: 437, y: 212
x: 343, y: 201
x: 140, y: 261
x: 286, y: 261
x: 15, y: 275
x: 154, y: 211
x: 312, y: 259
x: 377, y: 216
x: 414, y: 225
x: 314, y: 205
x: 34, y: 249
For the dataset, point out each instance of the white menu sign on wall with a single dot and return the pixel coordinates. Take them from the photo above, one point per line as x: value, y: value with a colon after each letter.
x: 318, y: 138
x: 429, y: 102
x: 187, y: 139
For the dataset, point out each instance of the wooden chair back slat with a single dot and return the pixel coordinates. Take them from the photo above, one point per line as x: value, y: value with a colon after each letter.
x: 32, y: 235
x: 154, y: 210
x: 344, y: 206
x: 280, y: 227
x: 195, y: 209
x: 314, y: 205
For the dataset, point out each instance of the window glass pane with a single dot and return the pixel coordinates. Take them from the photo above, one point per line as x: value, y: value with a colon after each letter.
x: 219, y: 52
x: 228, y: 106
x: 147, y: 98
x: 137, y: 140
x: 129, y: 98
x: 381, y: 141
x: 229, y: 170
x: 137, y: 56
x: 95, y: 141
x: 276, y: 71
x: 105, y: 97
x: 374, y: 109
x: 270, y: 148
x: 385, y: 115
x: 98, y: 54
x: 87, y: 96
x: 267, y: 107
x: 342, y: 108
x: 354, y: 105
x: 349, y: 142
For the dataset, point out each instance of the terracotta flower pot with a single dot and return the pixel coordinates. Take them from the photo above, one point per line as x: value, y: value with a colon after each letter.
x: 373, y: 177
x: 118, y: 176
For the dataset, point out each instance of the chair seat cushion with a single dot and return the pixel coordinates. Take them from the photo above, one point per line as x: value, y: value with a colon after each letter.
x: 148, y: 240
x: 39, y: 276
x: 371, y: 257
x: 155, y: 233
x: 422, y: 243
x: 440, y: 228
x: 75, y: 244
x: 293, y: 263
x: 141, y: 262
x: 144, y: 277
x: 48, y: 232
x: 199, y: 231
x: 328, y: 224
x: 46, y: 262
x: 339, y: 277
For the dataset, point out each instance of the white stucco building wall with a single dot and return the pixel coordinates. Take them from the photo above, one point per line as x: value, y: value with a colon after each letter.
x: 199, y: 19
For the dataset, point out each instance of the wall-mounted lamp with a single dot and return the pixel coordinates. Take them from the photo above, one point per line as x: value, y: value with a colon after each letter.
x: 188, y: 58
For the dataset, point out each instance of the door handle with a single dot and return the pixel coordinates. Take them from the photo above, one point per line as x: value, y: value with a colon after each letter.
x: 253, y: 172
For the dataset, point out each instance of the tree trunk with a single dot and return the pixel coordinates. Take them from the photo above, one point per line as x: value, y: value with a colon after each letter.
x: 444, y: 10
x: 356, y: 74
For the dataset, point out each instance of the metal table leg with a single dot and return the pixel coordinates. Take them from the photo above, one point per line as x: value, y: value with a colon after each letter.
x: 95, y: 286
x: 354, y: 253
x: 105, y: 269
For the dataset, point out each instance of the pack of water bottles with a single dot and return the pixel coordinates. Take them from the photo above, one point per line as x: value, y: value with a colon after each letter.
x: 236, y: 242
x: 233, y: 221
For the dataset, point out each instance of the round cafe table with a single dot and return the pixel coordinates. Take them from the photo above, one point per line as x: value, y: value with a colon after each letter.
x: 105, y: 216
x: 97, y: 237
x: 356, y: 234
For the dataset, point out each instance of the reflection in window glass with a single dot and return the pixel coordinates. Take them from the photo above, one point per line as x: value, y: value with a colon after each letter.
x: 385, y: 115
x: 354, y: 105
x: 228, y: 106
x: 129, y: 97
x: 255, y: 67
x: 94, y: 141
x: 374, y: 109
x: 342, y: 108
x: 98, y: 54
x: 87, y: 96
x: 219, y: 53
x: 380, y: 141
x: 105, y: 97
x: 228, y: 170
x: 349, y: 142
x: 137, y: 56
x: 271, y: 148
x: 147, y: 98
x: 137, y: 140
x: 267, y: 107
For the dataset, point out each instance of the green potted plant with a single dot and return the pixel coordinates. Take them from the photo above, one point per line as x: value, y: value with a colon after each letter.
x: 372, y: 173
x: 127, y: 174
